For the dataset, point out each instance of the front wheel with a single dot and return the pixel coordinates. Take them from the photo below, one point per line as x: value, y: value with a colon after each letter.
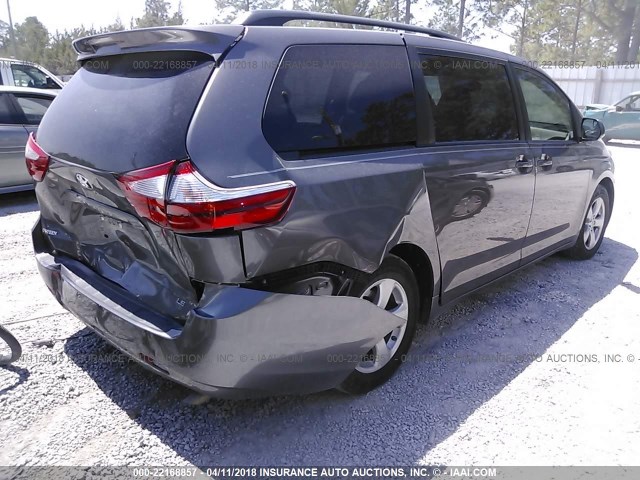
x: 593, y: 227
x: 10, y: 349
x: 392, y: 287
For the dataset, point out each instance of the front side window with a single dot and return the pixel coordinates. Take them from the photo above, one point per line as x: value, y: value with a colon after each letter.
x: 471, y: 100
x: 330, y: 98
x: 548, y: 109
x: 30, y: 76
x: 33, y: 107
x: 630, y: 104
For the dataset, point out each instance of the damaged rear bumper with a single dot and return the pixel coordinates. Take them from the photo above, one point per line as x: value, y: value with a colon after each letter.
x: 238, y: 342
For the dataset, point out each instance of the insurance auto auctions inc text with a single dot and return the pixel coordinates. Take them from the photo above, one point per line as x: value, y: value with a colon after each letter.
x: 350, y: 472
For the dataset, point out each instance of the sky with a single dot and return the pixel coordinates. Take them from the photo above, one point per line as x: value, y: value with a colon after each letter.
x: 67, y: 14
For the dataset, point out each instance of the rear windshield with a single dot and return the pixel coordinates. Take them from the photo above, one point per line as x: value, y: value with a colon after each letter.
x: 125, y: 112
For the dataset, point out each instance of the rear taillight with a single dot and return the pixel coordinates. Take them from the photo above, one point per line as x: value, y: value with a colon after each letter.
x: 177, y: 196
x: 37, y: 159
x: 145, y: 190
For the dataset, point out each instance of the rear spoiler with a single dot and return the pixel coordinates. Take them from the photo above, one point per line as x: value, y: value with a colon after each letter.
x: 212, y: 40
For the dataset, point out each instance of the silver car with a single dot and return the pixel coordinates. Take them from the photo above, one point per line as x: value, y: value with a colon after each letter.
x: 21, y: 110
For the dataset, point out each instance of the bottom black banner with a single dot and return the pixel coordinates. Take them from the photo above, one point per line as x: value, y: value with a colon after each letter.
x: 318, y: 472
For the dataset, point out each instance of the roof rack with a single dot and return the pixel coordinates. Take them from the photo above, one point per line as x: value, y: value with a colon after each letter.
x: 277, y: 18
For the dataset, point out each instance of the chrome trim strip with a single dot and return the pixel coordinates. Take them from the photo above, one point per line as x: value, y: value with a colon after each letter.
x: 241, y: 175
x: 349, y: 162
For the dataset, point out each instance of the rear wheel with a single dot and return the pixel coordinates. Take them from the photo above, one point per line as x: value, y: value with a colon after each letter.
x: 10, y: 349
x: 593, y: 227
x: 392, y: 287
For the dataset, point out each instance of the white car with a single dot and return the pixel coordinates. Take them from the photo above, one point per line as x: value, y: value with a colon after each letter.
x: 21, y: 73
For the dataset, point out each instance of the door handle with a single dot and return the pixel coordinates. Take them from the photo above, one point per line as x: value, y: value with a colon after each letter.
x: 524, y: 164
x: 545, y: 161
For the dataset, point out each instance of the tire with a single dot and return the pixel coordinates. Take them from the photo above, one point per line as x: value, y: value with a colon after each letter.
x: 377, y: 367
x: 593, y: 229
x: 12, y: 343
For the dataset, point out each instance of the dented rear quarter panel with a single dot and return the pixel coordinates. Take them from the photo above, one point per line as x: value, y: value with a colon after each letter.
x: 351, y: 209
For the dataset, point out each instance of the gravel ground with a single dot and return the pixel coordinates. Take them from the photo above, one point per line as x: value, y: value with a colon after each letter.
x: 473, y: 392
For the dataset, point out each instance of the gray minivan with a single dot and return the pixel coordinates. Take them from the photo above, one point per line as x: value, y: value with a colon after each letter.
x: 250, y: 209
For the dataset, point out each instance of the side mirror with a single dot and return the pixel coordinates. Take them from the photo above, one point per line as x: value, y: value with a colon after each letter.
x: 592, y: 129
x: 619, y: 108
x: 51, y: 84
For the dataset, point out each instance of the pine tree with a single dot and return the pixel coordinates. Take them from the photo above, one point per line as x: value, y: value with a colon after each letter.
x: 229, y: 10
x: 464, y: 18
x: 156, y: 14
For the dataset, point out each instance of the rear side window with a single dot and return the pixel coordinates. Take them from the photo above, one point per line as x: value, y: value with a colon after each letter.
x: 125, y: 112
x: 332, y: 98
x: 33, y: 107
x: 548, y: 109
x: 470, y: 99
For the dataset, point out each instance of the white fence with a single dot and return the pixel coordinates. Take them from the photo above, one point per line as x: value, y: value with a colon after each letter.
x: 597, y: 84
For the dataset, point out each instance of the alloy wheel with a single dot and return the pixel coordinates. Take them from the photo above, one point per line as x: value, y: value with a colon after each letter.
x: 390, y: 295
x: 594, y: 223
